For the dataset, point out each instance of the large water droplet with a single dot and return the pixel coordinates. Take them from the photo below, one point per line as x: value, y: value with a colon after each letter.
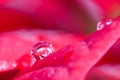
x: 103, y: 23
x: 41, y: 50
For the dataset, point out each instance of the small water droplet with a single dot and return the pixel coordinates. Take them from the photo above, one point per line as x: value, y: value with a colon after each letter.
x: 52, y: 72
x: 41, y: 50
x: 103, y: 23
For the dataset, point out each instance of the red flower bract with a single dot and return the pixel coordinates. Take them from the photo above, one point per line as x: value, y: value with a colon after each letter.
x: 73, y: 54
x: 67, y: 56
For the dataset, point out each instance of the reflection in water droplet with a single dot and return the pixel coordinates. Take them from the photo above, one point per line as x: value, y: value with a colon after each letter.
x: 103, y: 23
x: 42, y: 50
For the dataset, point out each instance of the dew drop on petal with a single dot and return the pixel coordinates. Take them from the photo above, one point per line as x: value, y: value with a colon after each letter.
x: 104, y: 23
x: 42, y: 50
x: 52, y: 72
x: 5, y: 65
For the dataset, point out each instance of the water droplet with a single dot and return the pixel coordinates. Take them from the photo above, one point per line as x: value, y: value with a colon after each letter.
x: 5, y: 65
x: 41, y: 50
x: 52, y: 72
x: 103, y: 23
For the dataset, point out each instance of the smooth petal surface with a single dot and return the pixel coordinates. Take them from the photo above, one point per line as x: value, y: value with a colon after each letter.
x: 49, y: 73
x: 105, y: 72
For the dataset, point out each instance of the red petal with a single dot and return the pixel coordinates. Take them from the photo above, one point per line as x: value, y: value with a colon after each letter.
x: 50, y: 73
x: 84, y: 53
x: 105, y: 72
x: 24, y: 40
x: 11, y: 19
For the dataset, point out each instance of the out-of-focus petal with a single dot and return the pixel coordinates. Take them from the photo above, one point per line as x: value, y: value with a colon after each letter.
x: 105, y: 72
x: 110, y: 8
